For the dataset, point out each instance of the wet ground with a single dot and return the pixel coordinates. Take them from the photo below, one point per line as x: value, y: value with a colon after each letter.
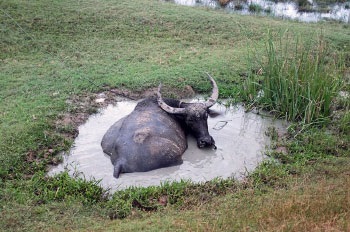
x: 240, y: 138
x: 282, y: 9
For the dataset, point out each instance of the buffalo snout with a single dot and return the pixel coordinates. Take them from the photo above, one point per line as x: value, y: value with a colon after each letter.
x: 207, y: 141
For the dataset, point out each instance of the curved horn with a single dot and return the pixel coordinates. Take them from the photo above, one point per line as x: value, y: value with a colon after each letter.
x: 215, y: 94
x: 166, y: 107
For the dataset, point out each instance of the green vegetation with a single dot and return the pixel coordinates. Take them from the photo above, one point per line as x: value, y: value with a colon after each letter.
x: 256, y: 8
x: 305, y: 6
x: 239, y: 6
x: 300, y: 80
x: 56, y: 55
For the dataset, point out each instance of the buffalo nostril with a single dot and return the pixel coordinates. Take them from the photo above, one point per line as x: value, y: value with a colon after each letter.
x: 204, y: 143
x: 201, y: 143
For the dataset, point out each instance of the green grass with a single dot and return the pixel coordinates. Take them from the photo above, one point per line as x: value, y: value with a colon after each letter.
x: 54, y: 55
x: 299, y: 80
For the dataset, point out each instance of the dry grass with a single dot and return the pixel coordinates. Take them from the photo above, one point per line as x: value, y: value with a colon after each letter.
x: 314, y: 202
x: 317, y: 201
x: 321, y: 207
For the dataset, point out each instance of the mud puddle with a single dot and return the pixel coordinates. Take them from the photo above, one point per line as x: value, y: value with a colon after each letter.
x: 240, y: 139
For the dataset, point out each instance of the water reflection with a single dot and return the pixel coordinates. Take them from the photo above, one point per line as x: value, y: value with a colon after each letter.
x: 290, y: 10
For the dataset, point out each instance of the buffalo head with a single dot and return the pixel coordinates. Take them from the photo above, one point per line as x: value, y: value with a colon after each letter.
x: 194, y: 115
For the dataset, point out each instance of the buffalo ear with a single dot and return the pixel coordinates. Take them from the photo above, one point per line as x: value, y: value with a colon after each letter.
x: 213, y: 113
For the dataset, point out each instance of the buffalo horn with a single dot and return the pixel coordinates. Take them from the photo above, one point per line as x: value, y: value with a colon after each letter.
x: 215, y: 94
x: 209, y: 103
x: 166, y: 107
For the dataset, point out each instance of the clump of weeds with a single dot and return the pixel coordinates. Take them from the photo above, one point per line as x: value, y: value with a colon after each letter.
x: 183, y: 195
x: 297, y: 82
x: 64, y: 187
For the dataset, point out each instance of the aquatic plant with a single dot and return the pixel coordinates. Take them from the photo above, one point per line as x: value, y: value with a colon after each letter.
x: 298, y: 82
x: 238, y: 7
x: 303, y: 4
x: 255, y: 8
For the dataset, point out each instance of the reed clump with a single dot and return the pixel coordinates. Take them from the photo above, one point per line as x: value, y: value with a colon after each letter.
x: 297, y: 80
x: 256, y: 8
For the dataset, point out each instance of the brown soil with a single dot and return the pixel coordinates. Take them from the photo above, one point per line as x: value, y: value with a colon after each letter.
x: 224, y: 2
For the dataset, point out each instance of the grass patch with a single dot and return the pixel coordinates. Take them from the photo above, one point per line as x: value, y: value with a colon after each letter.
x: 62, y: 187
x: 180, y: 195
x: 299, y: 80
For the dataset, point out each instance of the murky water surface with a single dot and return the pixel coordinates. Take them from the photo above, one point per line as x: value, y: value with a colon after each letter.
x: 240, y: 140
x: 287, y: 9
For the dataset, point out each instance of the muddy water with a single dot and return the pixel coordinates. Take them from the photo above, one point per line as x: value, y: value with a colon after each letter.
x: 240, y: 139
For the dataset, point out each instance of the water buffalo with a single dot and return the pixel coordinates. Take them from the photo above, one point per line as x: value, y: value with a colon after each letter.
x: 154, y: 134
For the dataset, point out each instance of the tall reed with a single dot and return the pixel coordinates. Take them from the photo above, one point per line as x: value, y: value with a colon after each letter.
x: 298, y: 79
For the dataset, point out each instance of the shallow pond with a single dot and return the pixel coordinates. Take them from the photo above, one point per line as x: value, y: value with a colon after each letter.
x: 240, y: 139
x: 285, y: 9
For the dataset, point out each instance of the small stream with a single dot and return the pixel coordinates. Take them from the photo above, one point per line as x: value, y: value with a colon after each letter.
x: 240, y: 139
x: 288, y: 9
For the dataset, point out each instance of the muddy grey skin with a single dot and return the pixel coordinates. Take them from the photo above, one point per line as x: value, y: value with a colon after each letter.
x: 154, y: 134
